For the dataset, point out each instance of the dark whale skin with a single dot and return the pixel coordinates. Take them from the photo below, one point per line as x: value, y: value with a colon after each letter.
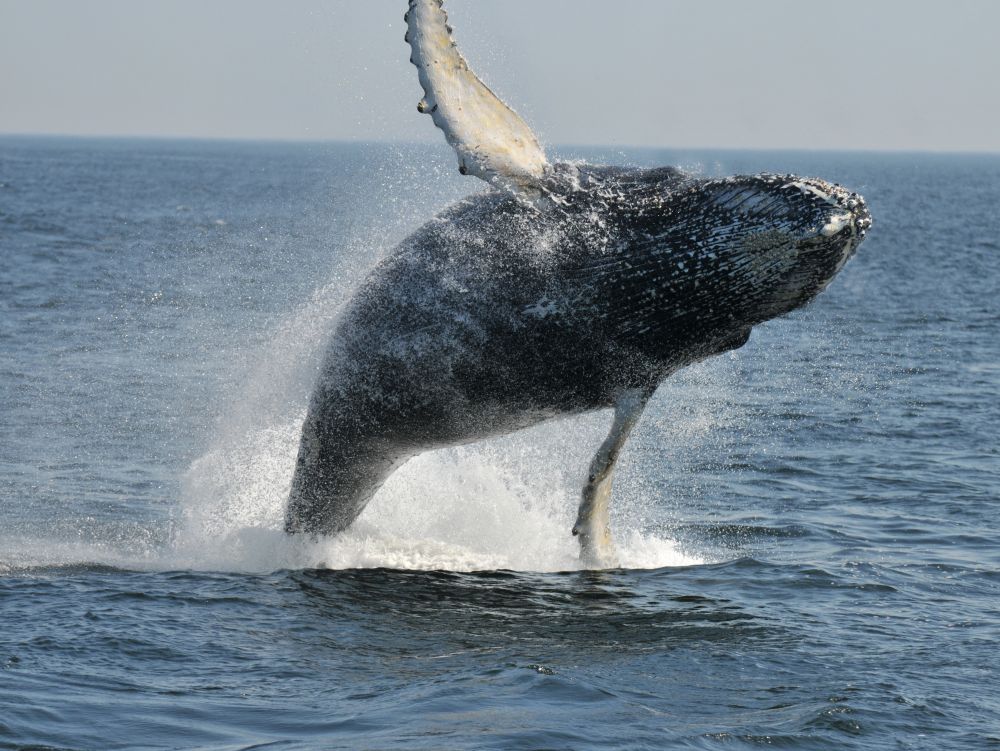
x: 497, y: 315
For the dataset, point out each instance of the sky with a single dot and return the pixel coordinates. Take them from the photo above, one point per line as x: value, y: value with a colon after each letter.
x: 797, y: 74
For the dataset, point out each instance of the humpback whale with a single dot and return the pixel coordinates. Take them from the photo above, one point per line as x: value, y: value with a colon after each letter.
x: 565, y: 288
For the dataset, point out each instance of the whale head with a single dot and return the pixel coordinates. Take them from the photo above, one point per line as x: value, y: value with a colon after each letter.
x: 785, y: 239
x: 702, y: 261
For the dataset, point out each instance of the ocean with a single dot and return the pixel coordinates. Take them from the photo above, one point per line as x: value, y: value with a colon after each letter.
x: 809, y: 527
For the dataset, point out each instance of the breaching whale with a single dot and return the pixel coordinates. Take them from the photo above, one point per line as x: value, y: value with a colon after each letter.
x: 566, y: 288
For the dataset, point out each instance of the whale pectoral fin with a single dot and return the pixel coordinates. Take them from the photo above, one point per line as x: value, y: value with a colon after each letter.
x: 492, y: 142
x: 593, y: 522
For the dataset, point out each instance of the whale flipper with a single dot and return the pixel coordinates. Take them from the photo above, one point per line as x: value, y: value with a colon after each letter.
x: 593, y: 522
x: 492, y: 142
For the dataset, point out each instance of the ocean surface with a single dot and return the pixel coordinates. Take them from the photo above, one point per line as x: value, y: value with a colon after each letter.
x: 809, y: 527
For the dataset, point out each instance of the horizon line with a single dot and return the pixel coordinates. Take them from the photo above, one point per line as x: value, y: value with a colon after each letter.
x: 425, y: 143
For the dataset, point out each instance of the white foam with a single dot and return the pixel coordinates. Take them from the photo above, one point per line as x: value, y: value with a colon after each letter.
x: 503, y: 504
x: 496, y: 505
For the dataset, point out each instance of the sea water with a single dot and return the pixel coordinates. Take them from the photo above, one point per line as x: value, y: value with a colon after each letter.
x: 809, y: 527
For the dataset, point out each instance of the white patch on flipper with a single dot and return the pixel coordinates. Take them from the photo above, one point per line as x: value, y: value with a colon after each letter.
x: 491, y: 140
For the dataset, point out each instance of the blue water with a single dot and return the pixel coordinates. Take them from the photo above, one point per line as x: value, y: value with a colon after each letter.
x: 809, y: 527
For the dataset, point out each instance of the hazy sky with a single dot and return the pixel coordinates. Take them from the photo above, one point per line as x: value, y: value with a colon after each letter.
x: 853, y: 74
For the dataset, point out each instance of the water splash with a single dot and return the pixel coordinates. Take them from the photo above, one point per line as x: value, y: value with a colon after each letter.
x: 495, y: 505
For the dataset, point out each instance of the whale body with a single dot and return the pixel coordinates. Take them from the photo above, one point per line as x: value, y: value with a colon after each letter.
x: 497, y: 315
